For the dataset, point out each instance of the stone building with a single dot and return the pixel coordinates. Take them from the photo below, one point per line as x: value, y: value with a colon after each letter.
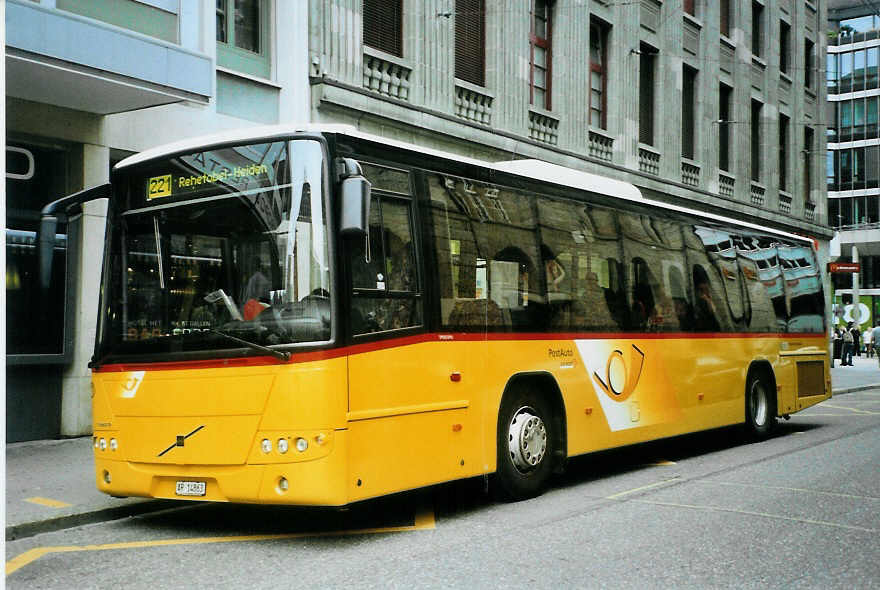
x: 717, y: 105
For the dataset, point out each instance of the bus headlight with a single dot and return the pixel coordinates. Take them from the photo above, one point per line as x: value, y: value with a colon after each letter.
x: 113, y: 444
x: 301, y: 445
x: 266, y: 445
x: 102, y: 444
x: 283, y: 445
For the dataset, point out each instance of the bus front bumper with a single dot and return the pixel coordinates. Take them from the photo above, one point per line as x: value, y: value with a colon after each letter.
x: 318, y: 482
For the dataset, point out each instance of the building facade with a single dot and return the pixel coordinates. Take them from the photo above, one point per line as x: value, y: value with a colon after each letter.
x: 717, y: 105
x: 853, y: 156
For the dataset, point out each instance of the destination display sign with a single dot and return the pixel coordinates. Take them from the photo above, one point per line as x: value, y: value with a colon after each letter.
x: 173, y: 185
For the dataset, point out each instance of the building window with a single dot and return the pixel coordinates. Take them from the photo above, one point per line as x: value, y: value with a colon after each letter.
x: 808, y: 64
x: 242, y: 42
x: 383, y: 25
x: 725, y: 96
x: 756, y: 140
x: 724, y: 17
x: 539, y: 44
x: 858, y: 78
x: 646, y: 94
x: 831, y: 73
x: 598, y: 72
x: 688, y: 7
x: 783, y: 152
x: 808, y: 163
x: 688, y: 112
x: 784, y: 46
x: 757, y: 29
x: 470, y: 41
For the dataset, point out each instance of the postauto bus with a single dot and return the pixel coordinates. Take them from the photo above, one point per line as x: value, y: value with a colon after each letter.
x: 318, y: 316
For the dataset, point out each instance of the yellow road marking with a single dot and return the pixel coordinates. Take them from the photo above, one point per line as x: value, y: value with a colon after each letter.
x: 661, y: 463
x: 854, y: 410
x: 762, y: 514
x: 424, y: 520
x: 47, y: 502
x: 634, y: 490
x: 785, y: 489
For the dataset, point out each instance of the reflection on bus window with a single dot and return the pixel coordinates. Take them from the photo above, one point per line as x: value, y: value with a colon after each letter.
x: 705, y: 311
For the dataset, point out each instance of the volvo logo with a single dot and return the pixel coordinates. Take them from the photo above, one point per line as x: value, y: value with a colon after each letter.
x: 181, y: 440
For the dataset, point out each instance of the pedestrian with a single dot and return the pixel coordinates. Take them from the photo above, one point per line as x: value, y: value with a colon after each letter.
x: 868, y: 342
x: 875, y: 337
x: 857, y: 341
x: 846, y: 353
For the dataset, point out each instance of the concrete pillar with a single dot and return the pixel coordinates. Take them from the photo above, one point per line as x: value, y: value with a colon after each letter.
x: 189, y: 16
x: 856, y: 313
x: 76, y: 409
x: 292, y: 61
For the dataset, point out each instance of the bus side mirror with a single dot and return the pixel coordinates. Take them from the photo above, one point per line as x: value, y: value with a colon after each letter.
x: 49, y: 222
x: 355, y: 217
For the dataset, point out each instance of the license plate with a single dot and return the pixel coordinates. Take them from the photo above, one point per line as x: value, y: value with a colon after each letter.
x: 190, y: 488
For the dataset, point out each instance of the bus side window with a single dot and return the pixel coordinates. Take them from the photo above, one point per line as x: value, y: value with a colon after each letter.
x: 385, y: 282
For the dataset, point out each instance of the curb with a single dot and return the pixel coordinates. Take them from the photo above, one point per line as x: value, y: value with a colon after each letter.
x: 29, y: 529
x: 854, y: 389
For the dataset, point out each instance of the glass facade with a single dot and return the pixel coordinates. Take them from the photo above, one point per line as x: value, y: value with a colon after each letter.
x: 853, y: 132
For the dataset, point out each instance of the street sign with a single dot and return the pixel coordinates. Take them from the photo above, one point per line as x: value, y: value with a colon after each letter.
x: 844, y: 267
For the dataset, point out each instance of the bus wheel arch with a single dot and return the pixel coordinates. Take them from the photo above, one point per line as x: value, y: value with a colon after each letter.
x: 760, y: 400
x: 531, y: 435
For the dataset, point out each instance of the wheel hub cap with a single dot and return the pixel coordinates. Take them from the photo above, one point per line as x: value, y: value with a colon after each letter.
x: 759, y: 404
x: 527, y: 440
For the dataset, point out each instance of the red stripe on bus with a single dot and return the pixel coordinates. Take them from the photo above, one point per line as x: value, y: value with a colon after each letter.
x: 318, y: 355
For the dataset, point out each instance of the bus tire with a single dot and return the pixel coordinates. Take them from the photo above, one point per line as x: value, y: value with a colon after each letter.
x: 760, y: 405
x: 527, y: 444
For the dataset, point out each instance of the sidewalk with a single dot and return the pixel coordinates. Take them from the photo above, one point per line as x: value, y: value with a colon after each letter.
x: 50, y: 483
x: 50, y: 486
x: 864, y: 374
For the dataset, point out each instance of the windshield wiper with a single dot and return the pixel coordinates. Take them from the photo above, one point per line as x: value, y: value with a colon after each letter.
x: 279, y: 354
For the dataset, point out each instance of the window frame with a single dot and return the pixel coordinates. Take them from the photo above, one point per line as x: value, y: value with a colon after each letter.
x: 809, y: 50
x: 419, y: 295
x: 647, y: 95
x: 757, y: 29
x: 784, y: 126
x: 784, y: 47
x: 545, y: 43
x: 756, y: 113
x: 380, y: 8
x: 233, y: 57
x: 725, y: 18
x: 601, y: 29
x: 689, y: 107
x: 725, y: 127
x: 464, y: 42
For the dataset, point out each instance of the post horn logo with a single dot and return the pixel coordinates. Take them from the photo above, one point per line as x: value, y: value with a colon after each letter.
x: 621, y: 377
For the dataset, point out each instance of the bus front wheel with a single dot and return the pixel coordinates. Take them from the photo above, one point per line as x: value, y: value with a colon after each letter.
x: 760, y: 406
x: 526, y: 445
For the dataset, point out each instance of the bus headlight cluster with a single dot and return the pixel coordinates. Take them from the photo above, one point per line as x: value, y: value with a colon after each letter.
x: 283, y: 445
x: 101, y: 443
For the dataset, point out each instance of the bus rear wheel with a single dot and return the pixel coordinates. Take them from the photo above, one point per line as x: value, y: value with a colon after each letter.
x: 760, y: 406
x: 527, y: 444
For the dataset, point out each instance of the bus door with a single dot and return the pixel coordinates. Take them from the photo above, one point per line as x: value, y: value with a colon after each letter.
x: 401, y: 404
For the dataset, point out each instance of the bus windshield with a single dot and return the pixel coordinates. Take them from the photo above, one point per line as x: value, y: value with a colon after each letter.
x: 219, y: 243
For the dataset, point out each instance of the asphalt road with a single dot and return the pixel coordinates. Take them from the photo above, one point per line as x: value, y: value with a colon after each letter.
x: 801, y: 510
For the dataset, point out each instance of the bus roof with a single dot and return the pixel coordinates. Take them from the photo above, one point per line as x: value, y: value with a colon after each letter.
x: 534, y: 169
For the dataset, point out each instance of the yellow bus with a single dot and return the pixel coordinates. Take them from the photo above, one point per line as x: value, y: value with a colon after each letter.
x: 318, y: 316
